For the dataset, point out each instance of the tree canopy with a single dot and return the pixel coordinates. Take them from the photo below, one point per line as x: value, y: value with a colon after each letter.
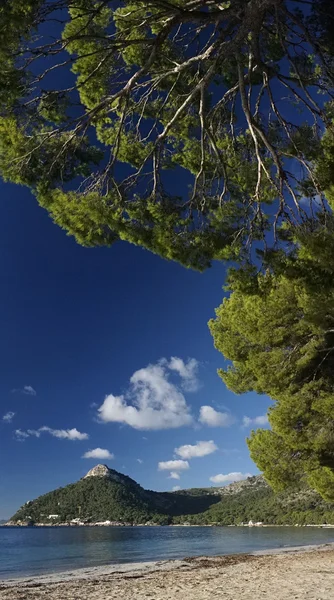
x: 190, y: 127
x: 200, y: 130
x: 277, y: 329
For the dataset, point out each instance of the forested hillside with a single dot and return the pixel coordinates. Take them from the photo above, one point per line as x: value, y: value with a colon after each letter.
x: 115, y: 497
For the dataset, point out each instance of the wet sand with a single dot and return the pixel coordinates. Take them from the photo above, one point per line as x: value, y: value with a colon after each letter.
x: 305, y: 573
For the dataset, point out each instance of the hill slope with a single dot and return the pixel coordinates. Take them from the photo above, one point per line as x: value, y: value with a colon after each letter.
x: 104, y: 494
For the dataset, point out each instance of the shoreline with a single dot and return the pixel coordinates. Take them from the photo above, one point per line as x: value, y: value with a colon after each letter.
x: 141, y: 569
x: 122, y: 525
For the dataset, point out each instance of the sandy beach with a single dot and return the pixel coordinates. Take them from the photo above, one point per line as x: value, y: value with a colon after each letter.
x: 293, y: 574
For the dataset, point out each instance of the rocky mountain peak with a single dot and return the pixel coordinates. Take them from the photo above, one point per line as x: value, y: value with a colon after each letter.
x: 99, y: 471
x: 104, y: 471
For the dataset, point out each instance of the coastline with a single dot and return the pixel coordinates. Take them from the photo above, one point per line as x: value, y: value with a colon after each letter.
x: 284, y: 574
x: 119, y: 524
x: 160, y: 566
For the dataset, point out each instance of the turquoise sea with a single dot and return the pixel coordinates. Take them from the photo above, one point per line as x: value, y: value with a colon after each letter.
x: 33, y: 551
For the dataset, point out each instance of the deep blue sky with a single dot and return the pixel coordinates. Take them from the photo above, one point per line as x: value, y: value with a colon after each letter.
x: 76, y: 324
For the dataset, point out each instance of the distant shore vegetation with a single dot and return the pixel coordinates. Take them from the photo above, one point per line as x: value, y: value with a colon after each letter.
x: 97, y: 499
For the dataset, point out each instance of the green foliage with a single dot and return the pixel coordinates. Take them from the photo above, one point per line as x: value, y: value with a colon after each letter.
x: 93, y: 498
x: 278, y: 332
x: 302, y: 507
x: 159, y: 89
x: 25, y: 161
x: 85, y: 37
x: 325, y: 165
x: 156, y: 91
x: 99, y: 499
x: 16, y: 26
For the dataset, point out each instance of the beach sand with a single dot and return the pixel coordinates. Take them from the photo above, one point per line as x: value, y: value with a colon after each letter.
x: 303, y: 574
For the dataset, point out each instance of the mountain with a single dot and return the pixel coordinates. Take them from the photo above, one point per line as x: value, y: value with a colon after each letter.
x: 254, y: 482
x: 106, y: 495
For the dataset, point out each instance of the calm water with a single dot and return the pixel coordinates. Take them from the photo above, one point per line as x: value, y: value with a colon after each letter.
x: 29, y: 551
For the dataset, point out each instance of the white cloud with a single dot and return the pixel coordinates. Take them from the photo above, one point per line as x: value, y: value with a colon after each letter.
x: 211, y: 417
x: 199, y: 449
x: 34, y: 432
x: 8, y: 417
x: 140, y: 461
x: 173, y: 465
x: 28, y: 390
x: 187, y: 372
x: 65, y: 434
x: 176, y: 488
x: 230, y: 477
x: 174, y: 475
x: 21, y: 435
x: 98, y: 453
x: 260, y: 420
x: 151, y: 402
